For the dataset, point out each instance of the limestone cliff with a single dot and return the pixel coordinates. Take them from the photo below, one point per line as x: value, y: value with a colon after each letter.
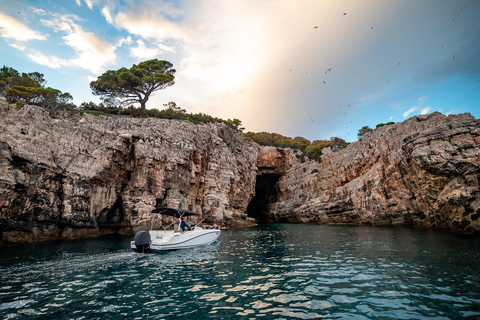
x: 86, y: 176
x: 91, y: 175
x: 421, y: 172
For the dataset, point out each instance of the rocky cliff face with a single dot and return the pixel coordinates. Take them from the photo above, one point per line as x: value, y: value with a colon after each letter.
x: 87, y: 176
x: 91, y: 175
x: 422, y: 172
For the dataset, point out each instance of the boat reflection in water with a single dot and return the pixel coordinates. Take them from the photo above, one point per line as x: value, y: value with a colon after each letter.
x: 175, y: 239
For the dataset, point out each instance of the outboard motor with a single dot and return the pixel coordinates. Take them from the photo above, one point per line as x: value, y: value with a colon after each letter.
x: 142, y: 241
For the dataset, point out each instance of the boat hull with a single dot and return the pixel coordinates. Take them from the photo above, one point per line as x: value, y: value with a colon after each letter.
x: 169, y: 241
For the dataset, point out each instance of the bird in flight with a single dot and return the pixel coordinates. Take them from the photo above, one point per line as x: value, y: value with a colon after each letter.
x: 315, y: 27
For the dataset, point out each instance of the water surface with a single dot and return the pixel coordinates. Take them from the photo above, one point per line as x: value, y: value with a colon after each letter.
x: 268, y: 272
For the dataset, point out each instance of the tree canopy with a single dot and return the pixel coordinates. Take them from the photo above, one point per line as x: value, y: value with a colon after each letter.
x: 278, y: 140
x: 29, y: 88
x: 315, y: 149
x: 362, y: 131
x: 135, y: 85
x: 9, y: 77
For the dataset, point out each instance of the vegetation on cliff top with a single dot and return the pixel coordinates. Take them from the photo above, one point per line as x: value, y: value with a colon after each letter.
x: 311, y: 149
x: 135, y: 85
x: 124, y: 86
x: 170, y: 111
x: 29, y: 88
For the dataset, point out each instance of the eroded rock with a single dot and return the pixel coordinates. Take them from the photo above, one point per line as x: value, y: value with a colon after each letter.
x: 93, y: 175
x: 86, y: 176
x: 421, y: 172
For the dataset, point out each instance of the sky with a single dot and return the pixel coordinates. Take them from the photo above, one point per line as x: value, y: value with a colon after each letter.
x: 310, y: 68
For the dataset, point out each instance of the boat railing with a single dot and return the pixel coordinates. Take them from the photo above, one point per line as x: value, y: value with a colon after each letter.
x: 164, y: 228
x: 176, y: 225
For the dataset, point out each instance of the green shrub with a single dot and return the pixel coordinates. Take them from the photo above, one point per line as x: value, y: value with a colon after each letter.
x: 384, y: 124
x: 278, y: 140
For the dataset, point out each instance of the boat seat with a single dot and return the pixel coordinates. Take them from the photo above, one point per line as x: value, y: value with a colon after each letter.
x: 176, y: 227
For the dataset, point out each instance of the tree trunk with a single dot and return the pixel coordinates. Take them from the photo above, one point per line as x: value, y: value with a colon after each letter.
x: 142, y: 107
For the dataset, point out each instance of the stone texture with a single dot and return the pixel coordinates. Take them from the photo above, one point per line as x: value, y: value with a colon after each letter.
x: 422, y: 172
x: 85, y: 176
x: 89, y: 175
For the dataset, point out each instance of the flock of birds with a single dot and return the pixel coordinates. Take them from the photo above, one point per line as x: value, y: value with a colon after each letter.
x: 324, y: 82
x: 327, y: 71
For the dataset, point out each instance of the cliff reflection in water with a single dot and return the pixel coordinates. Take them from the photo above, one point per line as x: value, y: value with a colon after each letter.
x: 271, y: 271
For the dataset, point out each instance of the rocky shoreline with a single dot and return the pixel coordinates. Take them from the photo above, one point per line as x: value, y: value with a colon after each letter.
x: 85, y: 176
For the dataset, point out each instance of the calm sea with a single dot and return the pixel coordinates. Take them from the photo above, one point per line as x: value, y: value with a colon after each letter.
x: 268, y: 272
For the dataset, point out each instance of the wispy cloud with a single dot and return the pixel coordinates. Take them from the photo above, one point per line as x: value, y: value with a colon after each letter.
x: 92, y: 51
x: 406, y: 113
x: 11, y: 28
x: 150, y: 26
x: 418, y: 106
x: 37, y: 10
x: 144, y: 52
x: 454, y: 111
x: 18, y: 46
x: 128, y: 41
x: 425, y: 110
x: 106, y: 13
x: 49, y: 61
x: 89, y: 3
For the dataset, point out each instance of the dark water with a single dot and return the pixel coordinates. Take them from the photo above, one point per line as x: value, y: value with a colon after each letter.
x: 269, y: 272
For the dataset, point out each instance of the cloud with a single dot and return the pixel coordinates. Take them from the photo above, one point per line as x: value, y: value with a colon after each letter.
x: 422, y: 99
x: 62, y: 22
x: 10, y: 28
x: 108, y: 16
x: 425, y: 110
x: 18, y: 46
x: 91, y: 78
x: 143, y: 52
x: 89, y: 3
x: 418, y: 106
x: 406, y: 113
x: 38, y: 10
x: 92, y: 51
x: 57, y: 25
x: 150, y: 20
x: 51, y: 62
x: 127, y: 41
x: 454, y: 111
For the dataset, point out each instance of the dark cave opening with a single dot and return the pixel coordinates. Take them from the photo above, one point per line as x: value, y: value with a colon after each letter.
x: 265, y: 193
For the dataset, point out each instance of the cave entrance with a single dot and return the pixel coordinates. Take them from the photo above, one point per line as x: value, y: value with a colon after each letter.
x: 265, y: 193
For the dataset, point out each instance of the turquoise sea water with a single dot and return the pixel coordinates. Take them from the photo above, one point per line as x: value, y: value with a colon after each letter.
x: 266, y: 272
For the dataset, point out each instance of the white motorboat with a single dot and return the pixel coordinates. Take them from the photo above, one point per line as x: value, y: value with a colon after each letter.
x: 167, y: 240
